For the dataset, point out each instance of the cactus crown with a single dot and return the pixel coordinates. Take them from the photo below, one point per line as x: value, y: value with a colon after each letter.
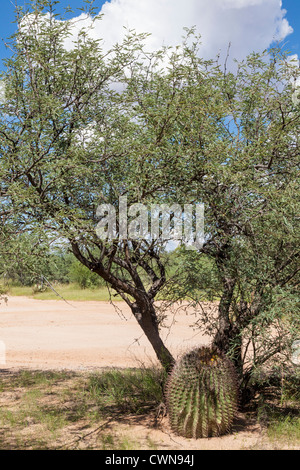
x: 204, y: 356
x: 202, y: 394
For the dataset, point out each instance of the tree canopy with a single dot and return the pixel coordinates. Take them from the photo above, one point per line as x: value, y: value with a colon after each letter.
x: 82, y: 127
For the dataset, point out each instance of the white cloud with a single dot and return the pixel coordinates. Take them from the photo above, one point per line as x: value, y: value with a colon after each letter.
x: 249, y: 25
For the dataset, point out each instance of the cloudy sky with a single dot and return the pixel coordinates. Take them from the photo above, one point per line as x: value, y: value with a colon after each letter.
x: 249, y: 25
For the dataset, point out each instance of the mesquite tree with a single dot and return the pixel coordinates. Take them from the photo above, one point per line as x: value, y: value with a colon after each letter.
x: 81, y: 127
x: 243, y: 146
x: 236, y: 138
x: 70, y: 141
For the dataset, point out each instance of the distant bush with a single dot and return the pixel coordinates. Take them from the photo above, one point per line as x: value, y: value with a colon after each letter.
x: 85, y: 278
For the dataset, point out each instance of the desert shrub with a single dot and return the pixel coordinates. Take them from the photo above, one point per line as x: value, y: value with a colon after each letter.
x: 83, y: 276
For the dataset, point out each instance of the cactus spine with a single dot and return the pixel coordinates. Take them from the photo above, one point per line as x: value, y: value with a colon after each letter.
x: 202, y: 394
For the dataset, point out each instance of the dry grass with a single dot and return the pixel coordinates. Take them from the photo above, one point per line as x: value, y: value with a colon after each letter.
x: 120, y: 410
x: 64, y: 410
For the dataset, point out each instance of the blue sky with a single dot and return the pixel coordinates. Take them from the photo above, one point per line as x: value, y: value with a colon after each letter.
x: 293, y: 16
x: 248, y: 24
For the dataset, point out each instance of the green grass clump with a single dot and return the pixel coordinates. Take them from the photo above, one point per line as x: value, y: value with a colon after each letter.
x: 284, y: 429
x: 127, y: 391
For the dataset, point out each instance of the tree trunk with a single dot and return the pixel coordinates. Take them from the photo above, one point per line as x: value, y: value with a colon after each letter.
x: 145, y: 314
x: 223, y: 335
x: 142, y: 308
x: 228, y: 336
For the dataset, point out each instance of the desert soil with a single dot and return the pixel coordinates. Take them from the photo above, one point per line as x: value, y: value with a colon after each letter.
x: 50, y: 334
x: 87, y: 336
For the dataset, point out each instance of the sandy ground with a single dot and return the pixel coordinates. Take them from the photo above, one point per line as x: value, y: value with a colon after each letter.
x: 52, y: 334
x: 39, y: 334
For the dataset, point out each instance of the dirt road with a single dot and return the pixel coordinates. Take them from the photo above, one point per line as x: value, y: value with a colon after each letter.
x: 52, y: 334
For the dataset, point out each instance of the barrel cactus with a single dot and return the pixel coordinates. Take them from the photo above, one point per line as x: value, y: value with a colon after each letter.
x: 202, y: 394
